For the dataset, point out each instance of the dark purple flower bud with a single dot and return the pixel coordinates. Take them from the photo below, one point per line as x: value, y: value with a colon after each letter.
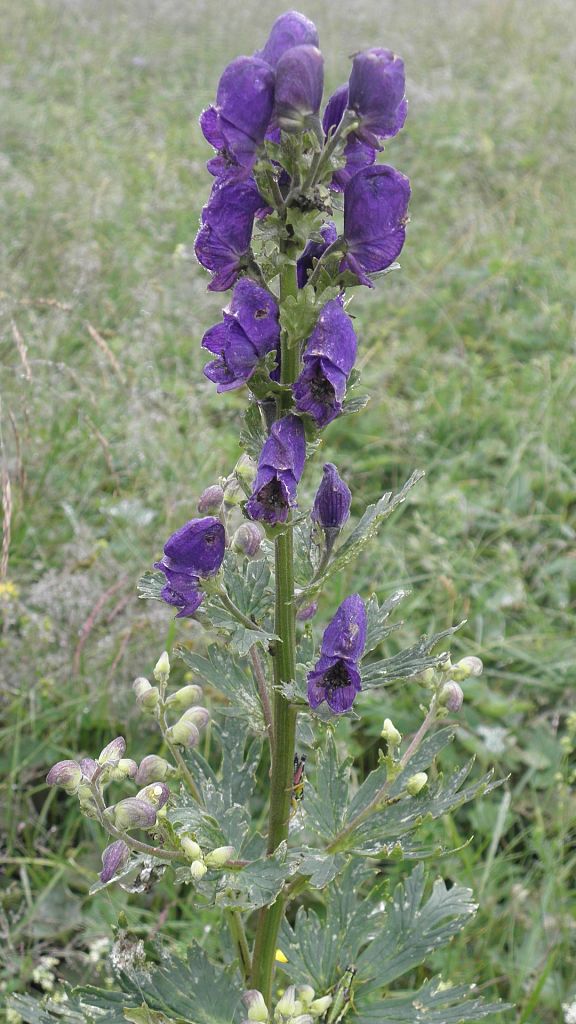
x: 279, y: 470
x: 299, y: 85
x: 211, y: 499
x: 133, y: 813
x: 336, y: 676
x: 290, y: 29
x: 244, y: 101
x: 375, y: 213
x: 153, y: 769
x: 67, y: 774
x: 308, y: 612
x: 358, y: 154
x: 451, y: 695
x: 376, y: 94
x: 247, y: 539
x: 223, y: 243
x: 332, y: 502
x: 329, y: 355
x: 196, y: 548
x: 113, y: 751
x: 114, y: 858
x: 250, y: 329
x: 313, y: 251
x: 88, y: 766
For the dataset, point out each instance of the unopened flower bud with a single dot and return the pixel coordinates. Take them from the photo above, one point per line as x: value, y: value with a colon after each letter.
x: 114, y: 858
x: 88, y: 805
x: 332, y: 502
x: 308, y: 612
x: 319, y: 1006
x: 113, y: 751
x: 191, y: 848
x: 466, y: 667
x: 305, y: 994
x: 197, y: 870
x: 67, y: 774
x: 210, y: 500
x: 140, y: 687
x: 133, y: 813
x: 254, y: 1002
x: 125, y: 769
x: 416, y: 783
x: 428, y: 676
x: 245, y: 470
x: 298, y: 90
x: 184, y: 734
x: 184, y: 698
x: 451, y: 696
x: 153, y: 769
x: 198, y: 715
x: 390, y: 733
x: 157, y: 794
x: 219, y: 857
x: 149, y: 701
x: 286, y: 1006
x: 247, y: 539
x: 88, y: 766
x: 162, y: 668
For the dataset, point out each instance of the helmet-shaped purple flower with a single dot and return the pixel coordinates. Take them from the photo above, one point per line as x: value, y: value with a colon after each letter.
x: 329, y: 356
x: 375, y: 213
x: 249, y: 330
x: 313, y: 251
x: 280, y: 467
x: 244, y: 101
x: 336, y: 675
x: 333, y: 499
x: 290, y: 29
x: 299, y: 85
x: 194, y: 551
x: 223, y: 243
x: 358, y: 154
x: 376, y: 94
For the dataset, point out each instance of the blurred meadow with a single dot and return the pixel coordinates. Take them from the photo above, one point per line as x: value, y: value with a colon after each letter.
x: 110, y: 432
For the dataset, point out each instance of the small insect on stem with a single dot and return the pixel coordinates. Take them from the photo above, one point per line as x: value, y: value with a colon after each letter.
x: 298, y: 782
x: 342, y: 997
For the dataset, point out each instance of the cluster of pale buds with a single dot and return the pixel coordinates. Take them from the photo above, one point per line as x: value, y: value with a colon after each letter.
x: 295, y: 1006
x: 201, y: 862
x: 185, y: 732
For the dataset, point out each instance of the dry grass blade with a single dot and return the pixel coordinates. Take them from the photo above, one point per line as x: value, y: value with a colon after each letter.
x: 22, y: 351
x: 106, y: 350
x: 6, y: 521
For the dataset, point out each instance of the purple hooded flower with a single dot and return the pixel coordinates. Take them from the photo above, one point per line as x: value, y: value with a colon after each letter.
x: 249, y: 330
x: 114, y: 858
x: 329, y: 356
x: 194, y: 551
x: 290, y: 29
x: 358, y: 154
x: 299, y: 85
x: 375, y: 213
x: 237, y: 124
x: 376, y: 94
x: 223, y: 243
x: 336, y: 675
x: 313, y: 251
x: 280, y: 467
x: 333, y: 499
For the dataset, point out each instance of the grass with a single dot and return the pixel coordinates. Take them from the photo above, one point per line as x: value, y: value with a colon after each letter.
x: 109, y: 430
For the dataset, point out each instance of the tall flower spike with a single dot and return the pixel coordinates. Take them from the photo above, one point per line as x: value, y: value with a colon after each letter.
x: 299, y: 85
x: 376, y: 94
x: 238, y: 122
x: 249, y: 330
x: 289, y: 29
x: 375, y: 213
x: 336, y: 675
x: 223, y: 243
x: 329, y: 355
x: 280, y: 467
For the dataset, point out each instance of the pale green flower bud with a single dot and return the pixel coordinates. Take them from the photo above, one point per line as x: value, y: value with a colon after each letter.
x: 210, y: 501
x: 305, y: 994
x: 184, y: 698
x: 184, y: 734
x: 113, y: 751
x: 153, y: 769
x: 191, y: 848
x: 416, y: 783
x: 67, y: 774
x: 467, y: 667
x: 247, y: 539
x: 197, y: 870
x: 319, y: 1006
x: 427, y: 676
x: 219, y: 857
x: 287, y: 1006
x: 254, y: 1003
x: 451, y: 696
x: 162, y: 668
x: 199, y: 715
x: 125, y: 769
x: 133, y: 813
x: 147, y: 696
x: 140, y: 687
x: 390, y: 733
x: 157, y: 794
x: 245, y: 470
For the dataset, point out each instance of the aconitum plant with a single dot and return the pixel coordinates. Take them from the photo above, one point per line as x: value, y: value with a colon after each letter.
x: 269, y: 829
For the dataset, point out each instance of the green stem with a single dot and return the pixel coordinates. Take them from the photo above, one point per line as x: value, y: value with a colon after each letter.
x: 238, y: 934
x: 284, y: 716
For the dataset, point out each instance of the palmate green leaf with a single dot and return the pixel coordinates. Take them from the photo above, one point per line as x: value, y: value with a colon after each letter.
x: 248, y: 586
x: 433, y: 1003
x: 377, y: 616
x: 144, y: 1015
x: 150, y: 585
x: 256, y: 885
x: 327, y: 799
x: 372, y: 519
x: 241, y: 639
x: 319, y: 867
x: 220, y: 669
x: 252, y: 434
x: 407, y: 663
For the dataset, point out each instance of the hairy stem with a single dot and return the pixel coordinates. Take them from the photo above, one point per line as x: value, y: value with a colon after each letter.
x: 236, y: 928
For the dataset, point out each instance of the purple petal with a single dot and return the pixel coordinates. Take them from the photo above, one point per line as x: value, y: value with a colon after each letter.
x: 319, y: 391
x: 256, y: 310
x: 313, y: 251
x: 345, y: 636
x: 289, y: 29
x: 244, y: 101
x: 375, y: 212
x: 197, y: 547
x: 333, y: 338
x: 376, y: 93
x: 299, y: 85
x: 114, y: 858
x: 333, y: 499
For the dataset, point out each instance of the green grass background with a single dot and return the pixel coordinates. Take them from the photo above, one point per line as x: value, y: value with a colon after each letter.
x: 110, y: 431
